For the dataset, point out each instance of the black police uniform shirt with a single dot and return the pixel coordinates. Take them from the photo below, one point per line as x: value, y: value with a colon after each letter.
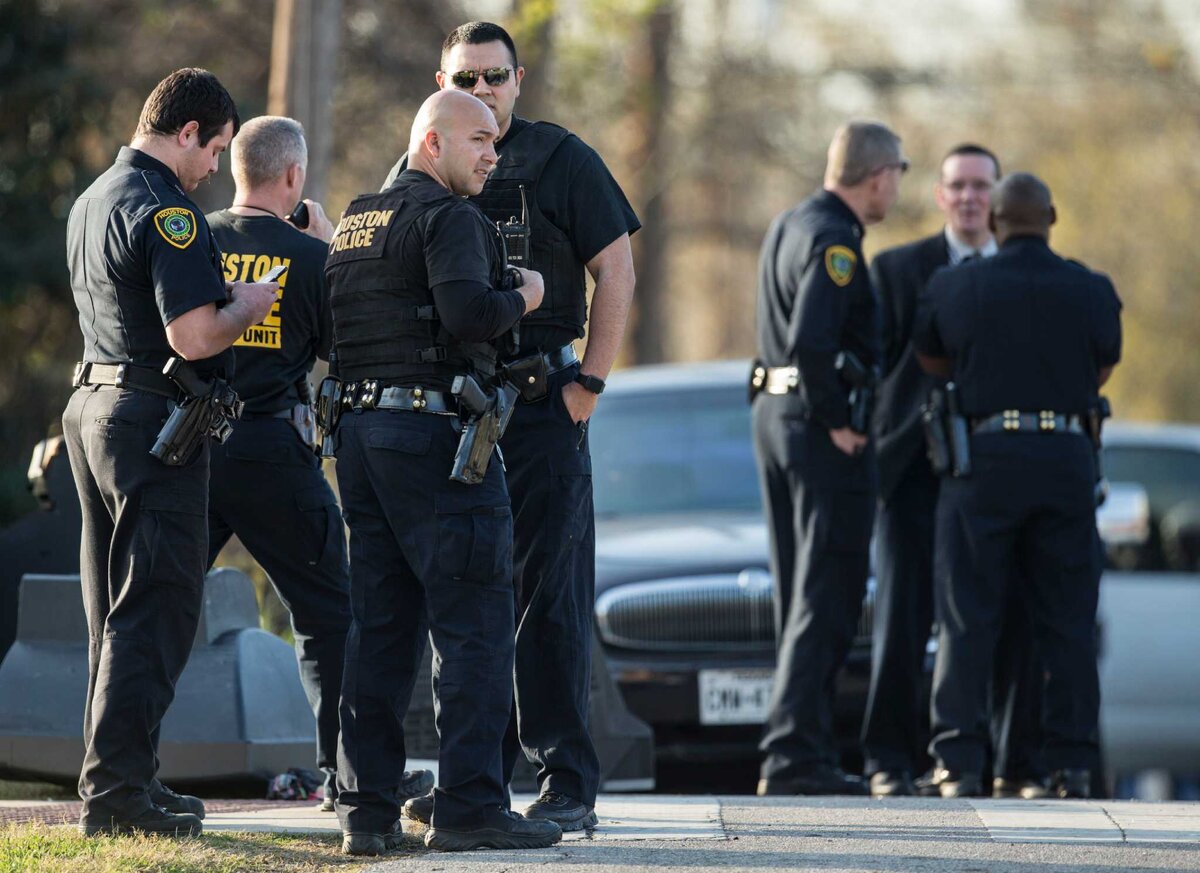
x: 578, y: 195
x: 272, y: 357
x: 814, y: 300
x: 453, y: 251
x: 1026, y: 329
x: 140, y: 254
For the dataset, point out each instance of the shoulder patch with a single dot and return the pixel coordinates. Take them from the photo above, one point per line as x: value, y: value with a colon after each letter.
x: 176, y: 225
x: 840, y: 262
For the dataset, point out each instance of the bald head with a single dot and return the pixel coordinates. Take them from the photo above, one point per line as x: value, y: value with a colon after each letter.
x: 1021, y: 206
x: 453, y: 140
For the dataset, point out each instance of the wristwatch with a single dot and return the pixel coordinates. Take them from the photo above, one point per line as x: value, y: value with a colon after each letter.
x: 591, y: 383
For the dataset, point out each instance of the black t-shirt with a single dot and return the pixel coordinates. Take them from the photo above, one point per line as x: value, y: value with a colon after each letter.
x: 140, y: 255
x: 274, y: 356
x: 815, y: 300
x: 1025, y: 329
x: 580, y: 197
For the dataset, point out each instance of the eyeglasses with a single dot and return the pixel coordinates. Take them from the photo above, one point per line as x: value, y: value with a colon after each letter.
x: 901, y: 165
x: 493, y: 76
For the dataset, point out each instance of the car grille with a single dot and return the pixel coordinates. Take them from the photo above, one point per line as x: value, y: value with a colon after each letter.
x: 724, y: 612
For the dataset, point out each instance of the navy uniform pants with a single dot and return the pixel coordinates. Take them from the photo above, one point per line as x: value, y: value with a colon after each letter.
x: 895, y: 730
x: 267, y: 487
x: 820, y: 505
x: 142, y: 560
x: 549, y: 472
x: 424, y: 552
x: 1027, y: 506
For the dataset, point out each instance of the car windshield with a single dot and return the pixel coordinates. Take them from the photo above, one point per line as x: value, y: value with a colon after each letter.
x: 684, y: 451
x: 1171, y: 477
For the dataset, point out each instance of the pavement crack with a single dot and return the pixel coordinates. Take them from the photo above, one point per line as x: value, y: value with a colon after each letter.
x: 1108, y: 815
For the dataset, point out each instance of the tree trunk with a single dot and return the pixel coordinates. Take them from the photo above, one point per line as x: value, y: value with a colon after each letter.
x: 306, y: 39
x: 652, y: 82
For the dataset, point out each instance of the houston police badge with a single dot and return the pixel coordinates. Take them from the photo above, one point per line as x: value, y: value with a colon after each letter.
x: 177, y: 226
x: 839, y: 264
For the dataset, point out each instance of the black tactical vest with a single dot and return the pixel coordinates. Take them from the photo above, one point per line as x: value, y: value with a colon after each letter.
x: 385, y: 325
x: 551, y: 253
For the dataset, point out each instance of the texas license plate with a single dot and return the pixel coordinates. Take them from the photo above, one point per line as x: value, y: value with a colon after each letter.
x: 734, y: 696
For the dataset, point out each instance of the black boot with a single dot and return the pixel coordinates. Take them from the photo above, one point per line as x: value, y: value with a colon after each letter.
x: 502, y: 829
x: 155, y: 820
x: 1071, y: 784
x: 567, y: 812
x: 361, y: 843
x: 180, y: 804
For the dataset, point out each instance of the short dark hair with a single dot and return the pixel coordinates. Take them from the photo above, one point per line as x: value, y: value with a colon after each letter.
x: 478, y: 33
x: 190, y: 94
x: 970, y: 148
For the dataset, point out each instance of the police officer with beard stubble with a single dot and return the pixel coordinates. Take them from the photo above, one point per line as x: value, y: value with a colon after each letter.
x: 816, y: 306
x: 562, y: 210
x: 416, y: 278
x: 1028, y: 338
x: 145, y: 273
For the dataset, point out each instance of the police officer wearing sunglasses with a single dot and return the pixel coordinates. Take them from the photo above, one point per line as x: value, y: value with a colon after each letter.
x: 563, y: 215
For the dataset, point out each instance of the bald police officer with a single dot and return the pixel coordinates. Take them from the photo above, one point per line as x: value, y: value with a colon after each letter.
x: 146, y: 277
x: 416, y: 275
x: 816, y: 308
x: 1028, y: 338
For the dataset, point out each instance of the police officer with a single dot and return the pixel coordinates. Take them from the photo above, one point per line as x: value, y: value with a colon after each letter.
x: 1028, y: 338
x: 817, y: 473
x: 146, y: 278
x: 266, y: 484
x: 415, y: 276
x: 894, y: 731
x: 554, y: 196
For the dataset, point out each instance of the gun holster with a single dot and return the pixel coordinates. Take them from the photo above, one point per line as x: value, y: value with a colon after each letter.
x: 205, y: 412
x: 484, y: 419
x: 529, y: 377
x: 937, y: 438
x: 328, y: 411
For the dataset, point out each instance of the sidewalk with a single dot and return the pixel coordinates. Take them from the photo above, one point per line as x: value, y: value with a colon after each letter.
x: 669, y: 833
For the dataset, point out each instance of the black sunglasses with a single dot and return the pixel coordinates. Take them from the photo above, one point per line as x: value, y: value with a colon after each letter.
x: 468, y: 78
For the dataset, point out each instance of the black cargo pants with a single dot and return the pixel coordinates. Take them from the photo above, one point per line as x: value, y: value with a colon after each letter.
x: 267, y: 487
x: 422, y: 548
x: 142, y: 560
x: 549, y: 472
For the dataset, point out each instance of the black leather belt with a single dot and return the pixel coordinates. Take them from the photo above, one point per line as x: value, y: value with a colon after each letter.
x: 125, y: 376
x: 1015, y: 421
x: 368, y: 395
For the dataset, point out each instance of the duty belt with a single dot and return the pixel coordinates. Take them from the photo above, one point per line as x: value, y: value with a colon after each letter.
x: 1016, y: 421
x: 368, y: 394
x: 125, y: 376
x: 782, y: 380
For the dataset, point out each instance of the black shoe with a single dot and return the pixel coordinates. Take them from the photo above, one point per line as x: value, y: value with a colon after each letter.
x: 414, y: 783
x: 891, y: 783
x: 566, y: 812
x: 828, y: 780
x: 924, y: 785
x: 419, y: 808
x: 155, y: 820
x: 1026, y: 788
x: 360, y: 843
x: 180, y: 804
x: 952, y: 783
x: 503, y: 830
x: 1071, y: 784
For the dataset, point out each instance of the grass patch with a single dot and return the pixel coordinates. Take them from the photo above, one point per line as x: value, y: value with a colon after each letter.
x: 36, y: 791
x: 28, y: 848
